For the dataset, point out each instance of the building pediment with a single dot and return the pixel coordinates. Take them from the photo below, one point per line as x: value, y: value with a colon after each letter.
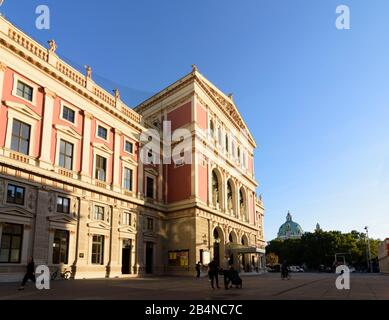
x: 152, y: 171
x: 102, y: 147
x: 129, y: 160
x: 226, y: 105
x: 98, y: 225
x: 127, y: 229
x: 16, y: 211
x: 68, y: 131
x: 62, y: 218
x: 23, y: 109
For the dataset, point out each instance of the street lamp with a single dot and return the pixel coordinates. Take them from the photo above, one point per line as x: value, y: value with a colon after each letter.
x: 369, y: 266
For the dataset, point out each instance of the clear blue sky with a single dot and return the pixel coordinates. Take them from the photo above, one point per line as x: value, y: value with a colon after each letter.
x: 315, y: 98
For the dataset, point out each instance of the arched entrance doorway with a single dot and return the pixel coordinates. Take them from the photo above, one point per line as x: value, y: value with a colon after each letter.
x: 218, y: 245
x: 245, y: 259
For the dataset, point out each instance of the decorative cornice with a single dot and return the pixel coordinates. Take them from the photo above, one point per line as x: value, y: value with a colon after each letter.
x: 50, y: 93
x: 62, y: 72
x: 3, y: 66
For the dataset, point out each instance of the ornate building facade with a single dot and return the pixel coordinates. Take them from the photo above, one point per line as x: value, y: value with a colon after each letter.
x: 76, y: 195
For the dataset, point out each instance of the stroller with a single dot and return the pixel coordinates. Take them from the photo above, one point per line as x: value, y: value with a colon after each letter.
x: 235, y: 279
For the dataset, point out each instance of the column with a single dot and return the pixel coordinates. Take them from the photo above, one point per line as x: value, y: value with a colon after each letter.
x: 210, y: 196
x: 140, y: 174
x: 85, y: 166
x: 41, y: 234
x: 116, y: 162
x: 160, y: 182
x: 45, y: 154
x: 140, y: 251
x: 82, y: 240
x: 114, y: 263
x: 3, y: 67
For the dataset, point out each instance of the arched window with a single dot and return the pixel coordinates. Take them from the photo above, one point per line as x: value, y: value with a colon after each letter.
x: 242, y: 205
x: 230, y: 198
x: 215, y: 188
x: 219, y: 136
x: 212, y: 128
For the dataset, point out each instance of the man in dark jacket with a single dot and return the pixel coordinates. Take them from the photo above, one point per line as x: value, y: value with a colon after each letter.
x: 30, y: 274
x: 213, y: 273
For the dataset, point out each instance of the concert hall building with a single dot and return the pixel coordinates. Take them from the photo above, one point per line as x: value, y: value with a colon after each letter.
x: 76, y: 195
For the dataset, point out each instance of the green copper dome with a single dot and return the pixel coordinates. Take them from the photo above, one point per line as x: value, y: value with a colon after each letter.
x: 290, y: 229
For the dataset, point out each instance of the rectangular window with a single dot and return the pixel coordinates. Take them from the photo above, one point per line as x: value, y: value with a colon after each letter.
x: 99, y: 213
x: 15, y: 195
x: 61, y: 247
x: 101, y: 168
x: 68, y: 114
x: 126, y: 219
x: 11, y: 243
x: 102, y: 132
x: 98, y: 250
x: 25, y: 91
x: 20, y: 141
x: 150, y: 224
x: 128, y: 179
x: 66, y: 155
x: 63, y: 205
x: 129, y: 147
x: 149, y: 187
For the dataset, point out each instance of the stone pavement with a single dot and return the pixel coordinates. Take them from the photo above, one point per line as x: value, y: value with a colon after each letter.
x: 262, y: 287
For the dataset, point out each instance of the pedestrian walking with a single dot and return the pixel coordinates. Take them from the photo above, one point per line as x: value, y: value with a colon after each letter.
x: 213, y: 270
x: 198, y: 269
x: 30, y: 274
x: 226, y: 272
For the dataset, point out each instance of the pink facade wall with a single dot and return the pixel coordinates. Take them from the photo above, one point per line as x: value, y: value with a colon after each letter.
x: 180, y: 116
x: 179, y: 183
x: 134, y: 156
x: 202, y: 119
x: 109, y: 144
x: 38, y: 108
x: 78, y: 127
x: 4, y: 123
x: 251, y: 165
x: 203, y: 182
x: 252, y: 208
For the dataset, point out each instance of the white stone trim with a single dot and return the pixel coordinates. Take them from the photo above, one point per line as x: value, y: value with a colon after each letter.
x: 13, y: 114
x: 101, y: 124
x: 34, y: 87
x: 133, y: 146
x: 149, y: 175
x: 67, y: 105
x: 127, y: 165
x: 103, y: 153
x: 61, y: 135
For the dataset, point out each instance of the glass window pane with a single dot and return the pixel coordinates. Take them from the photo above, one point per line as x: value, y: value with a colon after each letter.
x: 69, y: 149
x: 16, y: 127
x: 25, y: 132
x: 23, y: 147
x: 62, y: 147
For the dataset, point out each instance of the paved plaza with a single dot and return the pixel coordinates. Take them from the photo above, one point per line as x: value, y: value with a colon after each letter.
x: 256, y: 287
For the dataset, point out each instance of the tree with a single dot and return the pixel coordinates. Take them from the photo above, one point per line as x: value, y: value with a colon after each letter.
x: 272, y: 259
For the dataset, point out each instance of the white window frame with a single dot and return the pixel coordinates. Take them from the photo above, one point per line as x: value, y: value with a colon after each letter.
x: 14, y: 114
x: 130, y: 167
x: 27, y: 82
x: 148, y: 175
x: 133, y: 146
x: 130, y: 220
x: 70, y: 139
x: 102, y: 153
x: 100, y: 124
x: 64, y: 104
